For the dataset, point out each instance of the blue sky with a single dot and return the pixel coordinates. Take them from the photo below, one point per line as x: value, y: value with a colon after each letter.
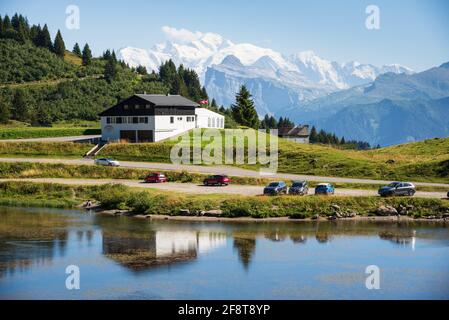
x: 414, y: 33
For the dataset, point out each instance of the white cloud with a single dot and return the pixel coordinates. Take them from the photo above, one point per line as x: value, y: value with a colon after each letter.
x: 181, y: 35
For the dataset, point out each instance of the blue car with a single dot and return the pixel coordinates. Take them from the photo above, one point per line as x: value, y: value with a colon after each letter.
x: 325, y: 189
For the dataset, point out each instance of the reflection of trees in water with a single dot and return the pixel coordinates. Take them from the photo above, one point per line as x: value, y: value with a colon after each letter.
x: 401, y: 237
x: 298, y: 239
x: 276, y: 236
x: 21, y: 255
x: 245, y: 248
x: 323, y: 237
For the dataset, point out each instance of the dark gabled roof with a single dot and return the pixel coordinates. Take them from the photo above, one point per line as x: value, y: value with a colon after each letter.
x: 159, y: 100
x: 152, y: 100
x: 298, y: 131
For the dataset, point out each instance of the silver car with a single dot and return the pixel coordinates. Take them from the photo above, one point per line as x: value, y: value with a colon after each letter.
x: 107, y: 162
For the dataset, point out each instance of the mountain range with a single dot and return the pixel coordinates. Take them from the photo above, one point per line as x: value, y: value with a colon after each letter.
x: 338, y: 97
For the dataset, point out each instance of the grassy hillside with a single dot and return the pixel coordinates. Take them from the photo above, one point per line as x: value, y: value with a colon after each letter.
x: 421, y: 161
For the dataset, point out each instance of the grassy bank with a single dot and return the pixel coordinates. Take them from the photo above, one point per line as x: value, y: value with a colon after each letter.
x: 48, y: 170
x: 170, y: 203
x: 40, y: 132
x: 44, y: 149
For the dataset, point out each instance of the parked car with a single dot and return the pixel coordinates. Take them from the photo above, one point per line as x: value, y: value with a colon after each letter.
x: 324, y: 188
x: 275, y: 188
x: 156, y: 177
x: 220, y: 180
x: 398, y: 189
x: 299, y: 188
x: 107, y: 162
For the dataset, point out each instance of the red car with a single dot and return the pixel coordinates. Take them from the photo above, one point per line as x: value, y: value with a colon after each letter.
x: 156, y: 178
x: 217, y: 180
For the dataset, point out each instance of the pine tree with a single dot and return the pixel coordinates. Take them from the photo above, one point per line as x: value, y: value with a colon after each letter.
x: 6, y: 23
x: 87, y: 55
x: 141, y: 70
x: 44, y: 39
x: 59, y: 45
x: 76, y: 50
x: 243, y: 110
x: 35, y: 33
x: 113, y: 56
x: 313, y: 138
x: 5, y: 111
x: 107, y: 55
x: 20, y: 110
x: 1, y: 27
x: 110, y: 70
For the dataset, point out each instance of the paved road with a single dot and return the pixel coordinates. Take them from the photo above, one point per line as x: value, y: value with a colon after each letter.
x: 55, y: 139
x: 200, y: 189
x: 231, y: 171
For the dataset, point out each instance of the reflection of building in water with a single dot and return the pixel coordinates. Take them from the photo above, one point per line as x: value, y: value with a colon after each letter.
x: 275, y: 236
x: 159, y: 248
x: 400, y: 237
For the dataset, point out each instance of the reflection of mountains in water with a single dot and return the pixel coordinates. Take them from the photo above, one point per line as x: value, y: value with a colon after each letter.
x: 160, y: 247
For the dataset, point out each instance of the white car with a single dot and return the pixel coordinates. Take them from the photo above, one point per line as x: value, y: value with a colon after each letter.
x: 107, y: 162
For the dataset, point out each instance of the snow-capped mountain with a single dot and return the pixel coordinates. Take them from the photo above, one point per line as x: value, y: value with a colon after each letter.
x: 275, y: 80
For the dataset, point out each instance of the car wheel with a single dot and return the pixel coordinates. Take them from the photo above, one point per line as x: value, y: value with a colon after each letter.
x: 411, y: 193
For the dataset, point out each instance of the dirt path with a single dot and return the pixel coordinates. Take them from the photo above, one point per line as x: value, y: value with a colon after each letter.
x: 200, y: 189
x: 231, y: 171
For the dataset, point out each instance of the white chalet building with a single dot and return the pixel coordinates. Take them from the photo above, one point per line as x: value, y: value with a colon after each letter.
x: 151, y: 118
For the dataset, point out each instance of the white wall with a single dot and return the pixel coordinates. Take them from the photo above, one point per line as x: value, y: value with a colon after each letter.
x: 299, y: 140
x: 164, y: 129
x: 209, y: 119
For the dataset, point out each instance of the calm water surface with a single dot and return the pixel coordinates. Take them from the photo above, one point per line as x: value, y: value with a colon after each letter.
x: 123, y: 258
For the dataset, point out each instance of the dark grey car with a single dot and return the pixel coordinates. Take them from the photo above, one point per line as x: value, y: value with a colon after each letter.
x: 275, y: 188
x: 299, y: 188
x: 398, y: 189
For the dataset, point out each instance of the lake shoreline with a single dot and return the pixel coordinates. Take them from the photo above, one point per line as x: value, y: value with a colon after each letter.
x: 392, y: 219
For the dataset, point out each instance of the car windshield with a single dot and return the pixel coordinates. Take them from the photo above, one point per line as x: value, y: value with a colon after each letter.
x: 298, y: 184
x: 394, y: 184
x: 321, y: 186
x: 274, y: 184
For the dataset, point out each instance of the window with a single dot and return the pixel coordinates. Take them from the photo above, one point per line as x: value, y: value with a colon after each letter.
x: 179, y: 118
x: 172, y: 119
x: 208, y: 122
x: 143, y: 119
x: 137, y: 107
x: 126, y: 107
x: 118, y: 120
x: 213, y: 122
x: 148, y: 106
x: 108, y: 120
x: 135, y: 119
